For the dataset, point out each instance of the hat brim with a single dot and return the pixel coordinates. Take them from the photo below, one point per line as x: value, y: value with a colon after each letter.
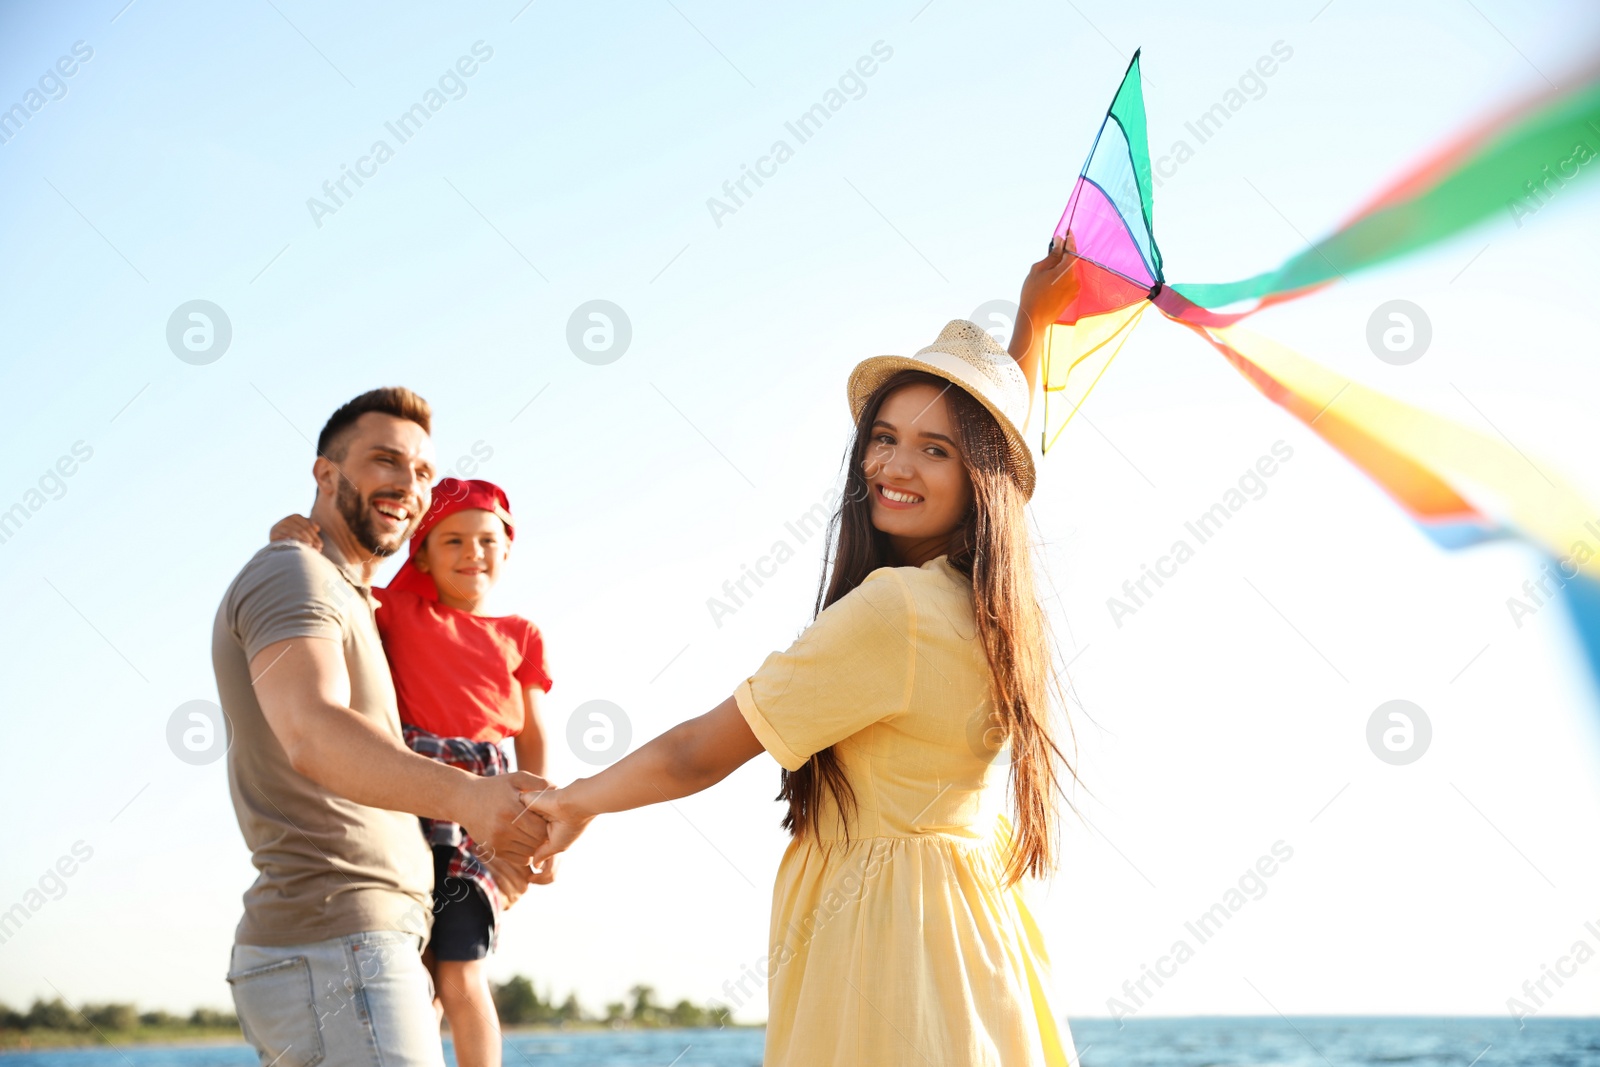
x: 870, y: 373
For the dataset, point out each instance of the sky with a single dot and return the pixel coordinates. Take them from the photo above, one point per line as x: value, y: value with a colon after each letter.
x: 584, y: 158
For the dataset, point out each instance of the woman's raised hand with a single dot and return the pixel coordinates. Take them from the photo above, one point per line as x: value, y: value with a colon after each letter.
x: 1051, y: 285
x: 565, y: 824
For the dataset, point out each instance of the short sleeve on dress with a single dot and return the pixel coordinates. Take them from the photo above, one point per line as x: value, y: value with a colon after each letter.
x: 287, y: 590
x: 851, y: 668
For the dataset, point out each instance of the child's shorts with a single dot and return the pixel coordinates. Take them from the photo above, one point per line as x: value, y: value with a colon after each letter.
x: 462, y: 919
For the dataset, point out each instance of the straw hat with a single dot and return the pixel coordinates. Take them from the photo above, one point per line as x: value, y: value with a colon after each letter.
x: 966, y: 355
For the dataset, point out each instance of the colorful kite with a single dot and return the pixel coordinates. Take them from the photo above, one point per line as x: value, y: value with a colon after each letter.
x: 1462, y: 487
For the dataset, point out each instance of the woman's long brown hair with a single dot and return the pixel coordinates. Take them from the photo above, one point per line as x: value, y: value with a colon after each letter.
x: 991, y: 547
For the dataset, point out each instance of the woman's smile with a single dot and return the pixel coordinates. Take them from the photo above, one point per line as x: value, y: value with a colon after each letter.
x: 896, y: 498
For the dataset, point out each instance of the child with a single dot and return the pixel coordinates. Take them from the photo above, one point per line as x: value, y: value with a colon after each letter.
x: 465, y: 681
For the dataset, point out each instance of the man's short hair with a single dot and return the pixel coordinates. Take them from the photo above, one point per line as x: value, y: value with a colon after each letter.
x: 394, y: 400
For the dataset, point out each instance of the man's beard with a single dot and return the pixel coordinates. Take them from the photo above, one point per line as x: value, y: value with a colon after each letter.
x: 357, y: 514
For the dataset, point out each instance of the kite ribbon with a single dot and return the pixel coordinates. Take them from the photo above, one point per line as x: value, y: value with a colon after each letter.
x: 1516, y: 161
x: 1460, y: 486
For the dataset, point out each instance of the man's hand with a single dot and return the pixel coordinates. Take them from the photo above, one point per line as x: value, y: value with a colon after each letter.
x: 493, y: 814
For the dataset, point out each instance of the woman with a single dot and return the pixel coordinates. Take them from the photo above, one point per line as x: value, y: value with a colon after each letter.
x: 899, y: 932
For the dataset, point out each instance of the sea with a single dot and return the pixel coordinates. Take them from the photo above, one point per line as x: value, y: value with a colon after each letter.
x: 1315, y: 1041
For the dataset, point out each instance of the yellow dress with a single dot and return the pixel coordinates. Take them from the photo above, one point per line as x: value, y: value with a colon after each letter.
x: 899, y: 947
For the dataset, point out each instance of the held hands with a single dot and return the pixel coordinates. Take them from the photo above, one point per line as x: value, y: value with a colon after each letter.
x: 493, y: 813
x: 564, y: 821
x: 510, y: 833
x: 297, y: 528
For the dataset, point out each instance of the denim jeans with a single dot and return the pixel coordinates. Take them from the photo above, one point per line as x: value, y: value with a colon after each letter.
x: 359, y: 1001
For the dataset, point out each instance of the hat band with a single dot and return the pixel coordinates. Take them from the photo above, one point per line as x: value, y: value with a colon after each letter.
x: 963, y: 373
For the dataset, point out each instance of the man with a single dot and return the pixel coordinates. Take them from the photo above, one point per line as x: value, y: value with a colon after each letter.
x: 326, y: 962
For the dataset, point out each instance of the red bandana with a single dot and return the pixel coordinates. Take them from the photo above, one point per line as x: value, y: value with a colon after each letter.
x: 449, y: 496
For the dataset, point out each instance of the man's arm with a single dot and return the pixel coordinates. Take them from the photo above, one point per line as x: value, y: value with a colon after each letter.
x: 304, y: 691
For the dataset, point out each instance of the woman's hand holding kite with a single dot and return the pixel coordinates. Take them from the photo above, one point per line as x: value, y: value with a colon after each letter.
x: 1051, y: 285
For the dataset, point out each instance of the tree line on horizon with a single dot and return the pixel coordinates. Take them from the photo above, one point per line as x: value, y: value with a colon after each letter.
x: 519, y: 1004
x: 60, y: 1017
x: 517, y: 1001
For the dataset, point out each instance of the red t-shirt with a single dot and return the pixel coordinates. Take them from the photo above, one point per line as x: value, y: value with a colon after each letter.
x: 457, y: 674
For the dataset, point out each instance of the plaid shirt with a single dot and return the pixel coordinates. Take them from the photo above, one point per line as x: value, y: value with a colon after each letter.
x: 482, y: 758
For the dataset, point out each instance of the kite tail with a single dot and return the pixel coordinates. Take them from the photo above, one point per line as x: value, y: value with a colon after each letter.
x: 1515, y: 162
x: 1433, y: 468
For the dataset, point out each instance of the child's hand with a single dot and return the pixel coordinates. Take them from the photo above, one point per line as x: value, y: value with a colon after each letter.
x: 545, y: 874
x: 297, y: 528
x: 510, y: 877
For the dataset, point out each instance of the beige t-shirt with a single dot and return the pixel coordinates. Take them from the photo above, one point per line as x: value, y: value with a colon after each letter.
x: 329, y: 866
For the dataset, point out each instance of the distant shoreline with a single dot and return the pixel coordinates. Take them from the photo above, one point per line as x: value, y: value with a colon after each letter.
x: 39, y: 1040
x: 48, y: 1040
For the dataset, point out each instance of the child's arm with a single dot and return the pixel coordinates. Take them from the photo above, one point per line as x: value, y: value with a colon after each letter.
x: 530, y: 748
x: 529, y: 743
x: 296, y: 528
